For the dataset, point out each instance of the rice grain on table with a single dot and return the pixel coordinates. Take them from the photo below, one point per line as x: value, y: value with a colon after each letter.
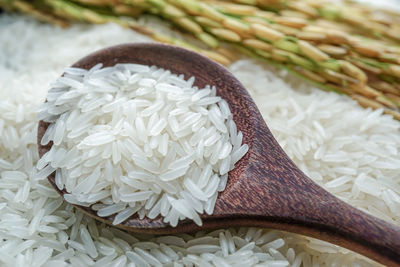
x: 332, y: 128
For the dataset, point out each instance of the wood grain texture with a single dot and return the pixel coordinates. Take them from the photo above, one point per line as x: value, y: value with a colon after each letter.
x: 266, y: 189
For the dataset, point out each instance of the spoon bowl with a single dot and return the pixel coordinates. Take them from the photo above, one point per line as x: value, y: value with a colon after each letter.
x: 265, y: 189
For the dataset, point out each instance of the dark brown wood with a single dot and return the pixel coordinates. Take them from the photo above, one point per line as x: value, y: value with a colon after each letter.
x: 266, y: 189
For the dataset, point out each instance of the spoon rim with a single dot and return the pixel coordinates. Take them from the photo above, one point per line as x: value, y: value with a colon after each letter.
x: 157, y: 224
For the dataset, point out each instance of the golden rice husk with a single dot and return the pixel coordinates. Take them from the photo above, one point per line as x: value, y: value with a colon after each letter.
x: 258, y: 44
x: 353, y: 71
x: 367, y: 102
x: 332, y: 49
x: 311, y: 51
x: 226, y: 34
x: 264, y: 32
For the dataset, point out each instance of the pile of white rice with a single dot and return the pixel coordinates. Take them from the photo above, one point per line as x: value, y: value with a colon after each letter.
x: 352, y: 152
x: 133, y: 139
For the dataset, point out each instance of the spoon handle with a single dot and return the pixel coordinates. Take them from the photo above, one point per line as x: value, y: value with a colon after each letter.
x: 275, y: 193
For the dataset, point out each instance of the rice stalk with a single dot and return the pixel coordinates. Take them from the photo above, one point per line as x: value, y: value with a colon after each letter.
x: 73, y: 11
x: 302, y: 52
x: 358, y: 18
x: 336, y: 38
x: 31, y: 10
x: 292, y: 37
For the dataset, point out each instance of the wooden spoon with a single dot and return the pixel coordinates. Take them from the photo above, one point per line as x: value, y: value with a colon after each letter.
x: 266, y: 189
